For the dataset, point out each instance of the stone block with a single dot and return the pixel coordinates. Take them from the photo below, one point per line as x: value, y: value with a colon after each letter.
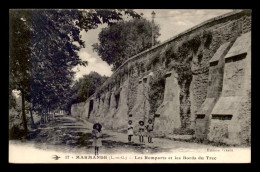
x: 221, y: 50
x: 121, y: 116
x: 242, y: 45
x: 202, y: 114
x: 236, y: 86
x: 168, y: 114
x: 141, y: 107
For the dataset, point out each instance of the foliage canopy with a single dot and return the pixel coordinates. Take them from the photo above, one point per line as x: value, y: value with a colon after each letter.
x: 125, y: 39
x: 43, y: 49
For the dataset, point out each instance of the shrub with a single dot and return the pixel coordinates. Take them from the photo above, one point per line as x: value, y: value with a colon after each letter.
x: 207, y: 36
x: 184, y: 131
x: 16, y: 132
x: 153, y: 60
x: 156, y: 92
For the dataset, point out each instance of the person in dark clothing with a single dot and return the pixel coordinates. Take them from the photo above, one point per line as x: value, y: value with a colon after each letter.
x: 141, y: 131
x: 149, y: 129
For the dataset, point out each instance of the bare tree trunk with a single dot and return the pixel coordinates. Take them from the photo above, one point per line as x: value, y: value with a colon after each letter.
x: 23, y: 113
x: 48, y: 113
x: 42, y: 117
x: 53, y: 116
x: 32, y: 121
x: 45, y: 117
x: 42, y: 120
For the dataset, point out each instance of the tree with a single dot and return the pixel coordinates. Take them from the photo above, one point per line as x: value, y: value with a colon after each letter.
x: 125, y: 39
x: 12, y: 102
x: 43, y: 49
x: 88, y: 85
x: 83, y: 88
x: 19, y: 55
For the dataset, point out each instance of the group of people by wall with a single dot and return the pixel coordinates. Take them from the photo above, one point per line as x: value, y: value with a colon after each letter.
x: 143, y: 131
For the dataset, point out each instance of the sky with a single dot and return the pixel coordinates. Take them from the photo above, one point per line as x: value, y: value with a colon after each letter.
x: 171, y: 22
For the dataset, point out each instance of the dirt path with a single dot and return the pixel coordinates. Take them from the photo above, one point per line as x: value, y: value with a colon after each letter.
x: 67, y: 134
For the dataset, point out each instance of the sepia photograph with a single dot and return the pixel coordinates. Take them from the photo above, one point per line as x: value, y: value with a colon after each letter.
x: 129, y: 86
